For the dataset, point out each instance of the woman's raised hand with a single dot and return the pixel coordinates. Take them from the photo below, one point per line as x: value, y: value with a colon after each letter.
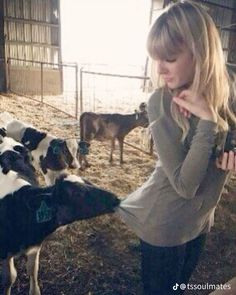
x: 193, y: 103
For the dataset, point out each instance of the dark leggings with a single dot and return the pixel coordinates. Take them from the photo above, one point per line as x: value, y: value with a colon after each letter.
x: 164, y: 267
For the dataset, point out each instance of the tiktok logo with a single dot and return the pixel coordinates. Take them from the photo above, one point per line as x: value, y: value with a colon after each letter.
x: 175, y: 287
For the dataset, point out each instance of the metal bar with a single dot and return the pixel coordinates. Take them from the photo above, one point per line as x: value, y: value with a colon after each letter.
x: 47, y: 104
x: 136, y: 148
x: 228, y: 26
x: 215, y: 4
x: 81, y: 91
x: 76, y: 93
x: 2, y: 47
x: 147, y: 58
x: 116, y: 75
x: 8, y: 75
x: 31, y: 43
x: 31, y: 22
x: 59, y: 50
x: 59, y: 31
x: 31, y: 29
x: 231, y: 64
x: 228, y: 29
x: 41, y: 82
x: 46, y: 63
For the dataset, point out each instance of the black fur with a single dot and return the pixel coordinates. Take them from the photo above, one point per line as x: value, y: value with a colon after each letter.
x: 3, y: 132
x: 32, y: 138
x: 20, y: 225
x: 58, y: 156
x: 19, y: 162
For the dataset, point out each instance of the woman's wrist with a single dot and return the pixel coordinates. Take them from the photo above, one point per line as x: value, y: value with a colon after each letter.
x: 209, y: 117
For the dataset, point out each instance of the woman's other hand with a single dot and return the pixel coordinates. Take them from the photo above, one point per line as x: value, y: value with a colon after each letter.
x: 192, y: 103
x: 227, y: 161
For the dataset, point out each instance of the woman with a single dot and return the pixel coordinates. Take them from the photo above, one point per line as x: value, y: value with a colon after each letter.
x: 190, y: 116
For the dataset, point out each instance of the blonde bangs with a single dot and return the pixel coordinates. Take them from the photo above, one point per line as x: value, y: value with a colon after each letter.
x: 163, y: 43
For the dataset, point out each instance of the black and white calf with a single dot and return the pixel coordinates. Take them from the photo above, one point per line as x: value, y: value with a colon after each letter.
x: 14, y: 156
x: 29, y: 214
x: 50, y: 155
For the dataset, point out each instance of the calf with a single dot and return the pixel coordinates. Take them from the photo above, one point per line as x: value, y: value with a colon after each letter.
x: 14, y: 156
x: 108, y: 127
x: 50, y: 155
x: 29, y: 214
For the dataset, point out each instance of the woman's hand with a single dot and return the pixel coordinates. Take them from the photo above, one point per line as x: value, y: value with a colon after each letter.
x: 192, y: 103
x: 227, y: 161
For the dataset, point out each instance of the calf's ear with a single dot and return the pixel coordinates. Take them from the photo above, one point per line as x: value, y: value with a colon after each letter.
x: 20, y: 149
x: 87, y: 182
x: 136, y: 115
x: 3, y: 132
x: 59, y: 187
x: 5, y: 164
x: 1, y: 139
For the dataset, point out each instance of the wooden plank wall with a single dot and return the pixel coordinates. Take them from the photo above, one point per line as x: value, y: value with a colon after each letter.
x: 32, y: 29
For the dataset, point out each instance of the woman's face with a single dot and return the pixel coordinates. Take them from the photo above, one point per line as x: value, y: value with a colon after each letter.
x: 177, y: 70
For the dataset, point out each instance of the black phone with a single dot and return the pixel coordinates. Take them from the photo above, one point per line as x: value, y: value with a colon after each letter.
x: 230, y: 145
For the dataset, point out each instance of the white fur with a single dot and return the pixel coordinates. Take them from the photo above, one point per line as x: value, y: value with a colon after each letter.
x: 41, y: 150
x: 51, y: 176
x: 7, y: 144
x: 16, y: 129
x: 10, y: 183
x: 74, y: 178
x: 73, y: 147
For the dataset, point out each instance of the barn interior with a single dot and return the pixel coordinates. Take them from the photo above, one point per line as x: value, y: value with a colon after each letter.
x: 49, y: 75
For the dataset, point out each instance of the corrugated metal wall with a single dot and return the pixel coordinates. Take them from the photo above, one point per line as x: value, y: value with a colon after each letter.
x: 32, y: 30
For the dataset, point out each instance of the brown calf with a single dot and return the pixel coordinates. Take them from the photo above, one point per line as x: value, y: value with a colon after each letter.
x: 108, y: 127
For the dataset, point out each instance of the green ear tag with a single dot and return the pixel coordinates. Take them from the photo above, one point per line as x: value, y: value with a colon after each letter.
x: 56, y: 150
x: 44, y: 213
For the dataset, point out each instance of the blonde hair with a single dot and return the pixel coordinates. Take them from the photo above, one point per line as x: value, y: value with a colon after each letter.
x: 187, y: 23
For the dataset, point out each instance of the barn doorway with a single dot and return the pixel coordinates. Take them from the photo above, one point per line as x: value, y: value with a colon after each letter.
x: 104, y: 31
x: 106, y: 36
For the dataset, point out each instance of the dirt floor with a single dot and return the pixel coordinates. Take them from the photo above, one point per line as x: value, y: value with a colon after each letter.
x: 101, y: 256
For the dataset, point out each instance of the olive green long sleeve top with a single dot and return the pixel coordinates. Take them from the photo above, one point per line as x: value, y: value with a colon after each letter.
x: 177, y: 203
